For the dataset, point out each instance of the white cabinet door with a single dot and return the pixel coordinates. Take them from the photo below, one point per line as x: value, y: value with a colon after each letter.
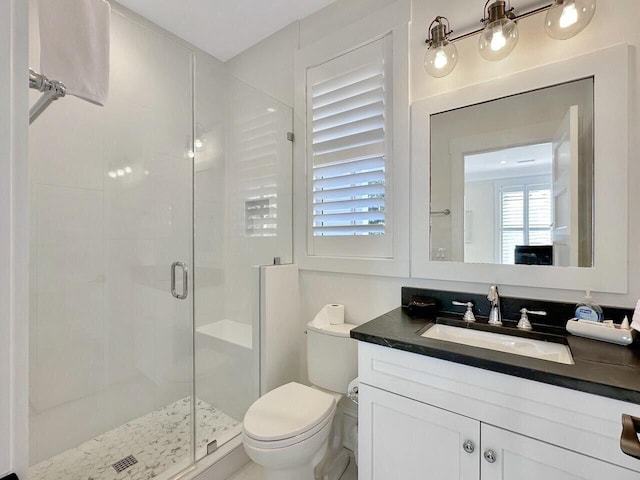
x: 401, y: 439
x: 516, y: 457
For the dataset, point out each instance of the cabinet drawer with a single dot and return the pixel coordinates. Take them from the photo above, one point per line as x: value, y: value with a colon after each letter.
x: 574, y: 420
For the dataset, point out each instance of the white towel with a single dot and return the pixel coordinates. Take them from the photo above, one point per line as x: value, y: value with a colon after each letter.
x: 74, y: 46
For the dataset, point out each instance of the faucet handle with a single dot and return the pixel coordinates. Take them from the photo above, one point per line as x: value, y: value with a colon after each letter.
x: 469, y: 317
x: 524, y: 323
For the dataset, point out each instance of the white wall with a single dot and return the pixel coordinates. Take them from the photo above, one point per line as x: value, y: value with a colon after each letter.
x: 13, y: 238
x: 367, y: 296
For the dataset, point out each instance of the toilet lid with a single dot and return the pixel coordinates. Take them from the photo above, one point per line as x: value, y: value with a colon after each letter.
x: 287, y: 411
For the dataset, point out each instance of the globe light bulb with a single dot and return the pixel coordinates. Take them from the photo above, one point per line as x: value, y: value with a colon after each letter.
x: 440, y: 60
x: 567, y: 18
x: 498, y: 39
x: 442, y: 55
x: 500, y: 34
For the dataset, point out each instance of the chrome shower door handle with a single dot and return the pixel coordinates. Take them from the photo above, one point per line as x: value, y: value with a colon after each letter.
x: 185, y: 280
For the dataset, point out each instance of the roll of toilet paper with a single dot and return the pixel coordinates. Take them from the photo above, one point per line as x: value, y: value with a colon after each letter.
x: 335, y: 313
x: 331, y: 314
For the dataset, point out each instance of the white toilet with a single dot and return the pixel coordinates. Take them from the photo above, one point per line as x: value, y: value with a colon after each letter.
x: 293, y: 431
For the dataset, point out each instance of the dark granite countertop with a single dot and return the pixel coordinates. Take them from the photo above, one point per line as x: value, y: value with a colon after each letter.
x: 600, y: 368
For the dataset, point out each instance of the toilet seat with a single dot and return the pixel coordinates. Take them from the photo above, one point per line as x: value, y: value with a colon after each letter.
x: 287, y: 415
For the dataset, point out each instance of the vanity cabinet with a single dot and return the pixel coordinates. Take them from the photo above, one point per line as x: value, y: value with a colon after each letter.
x: 410, y: 439
x: 421, y: 417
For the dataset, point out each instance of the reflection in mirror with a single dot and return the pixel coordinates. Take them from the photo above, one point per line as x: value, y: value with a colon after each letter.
x: 512, y: 179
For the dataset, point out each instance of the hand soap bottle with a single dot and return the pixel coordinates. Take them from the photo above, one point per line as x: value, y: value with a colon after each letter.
x: 587, y: 310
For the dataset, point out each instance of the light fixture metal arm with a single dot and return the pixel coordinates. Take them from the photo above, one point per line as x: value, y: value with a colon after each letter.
x: 520, y: 16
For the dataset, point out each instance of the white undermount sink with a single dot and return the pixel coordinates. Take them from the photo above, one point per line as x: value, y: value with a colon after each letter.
x: 553, y: 352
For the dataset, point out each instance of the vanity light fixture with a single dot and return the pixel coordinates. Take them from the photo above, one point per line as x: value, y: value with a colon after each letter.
x: 567, y: 18
x: 442, y: 54
x: 500, y: 34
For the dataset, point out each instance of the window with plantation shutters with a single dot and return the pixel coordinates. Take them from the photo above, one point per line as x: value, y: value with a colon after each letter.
x: 525, y: 218
x: 348, y: 105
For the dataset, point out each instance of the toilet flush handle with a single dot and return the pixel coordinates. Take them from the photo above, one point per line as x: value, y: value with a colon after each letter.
x: 352, y: 392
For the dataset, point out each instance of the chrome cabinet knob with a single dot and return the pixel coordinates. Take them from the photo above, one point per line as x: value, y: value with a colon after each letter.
x: 490, y: 456
x: 468, y: 446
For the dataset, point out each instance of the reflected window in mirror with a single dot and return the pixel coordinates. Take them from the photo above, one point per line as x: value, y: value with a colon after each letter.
x: 512, y: 186
x: 516, y: 176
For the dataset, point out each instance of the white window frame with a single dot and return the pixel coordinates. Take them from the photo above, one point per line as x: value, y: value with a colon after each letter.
x: 359, y: 254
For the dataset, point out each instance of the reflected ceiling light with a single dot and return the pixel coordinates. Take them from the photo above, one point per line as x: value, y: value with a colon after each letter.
x: 120, y: 172
x: 198, y: 143
x: 442, y: 54
x: 567, y: 18
x: 128, y: 169
x: 113, y: 174
x: 500, y: 34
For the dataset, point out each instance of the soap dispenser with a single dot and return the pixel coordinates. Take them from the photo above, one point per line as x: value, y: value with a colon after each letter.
x: 589, y: 311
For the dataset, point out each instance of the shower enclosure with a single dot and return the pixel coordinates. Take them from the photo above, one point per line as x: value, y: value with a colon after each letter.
x: 148, y: 216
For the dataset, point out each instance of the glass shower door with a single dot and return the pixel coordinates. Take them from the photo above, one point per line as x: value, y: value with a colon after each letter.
x: 148, y: 245
x: 111, y: 336
x: 243, y: 219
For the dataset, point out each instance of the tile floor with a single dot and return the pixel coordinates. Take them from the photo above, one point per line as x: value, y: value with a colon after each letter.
x: 160, y: 441
x: 251, y: 471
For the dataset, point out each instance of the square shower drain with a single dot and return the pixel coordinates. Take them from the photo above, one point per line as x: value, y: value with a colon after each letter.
x: 125, y: 463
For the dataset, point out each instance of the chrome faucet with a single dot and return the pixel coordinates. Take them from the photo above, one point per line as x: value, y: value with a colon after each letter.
x: 495, y: 317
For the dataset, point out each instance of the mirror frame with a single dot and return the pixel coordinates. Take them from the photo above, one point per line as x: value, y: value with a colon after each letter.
x: 609, y: 271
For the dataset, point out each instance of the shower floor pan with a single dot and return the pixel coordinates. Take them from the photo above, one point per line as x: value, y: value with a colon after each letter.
x: 158, y: 441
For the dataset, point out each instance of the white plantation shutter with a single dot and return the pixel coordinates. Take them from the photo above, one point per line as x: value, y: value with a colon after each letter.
x: 525, y: 218
x: 348, y: 124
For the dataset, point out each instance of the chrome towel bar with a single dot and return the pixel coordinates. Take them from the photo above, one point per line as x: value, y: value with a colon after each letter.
x: 441, y: 212
x: 51, y: 91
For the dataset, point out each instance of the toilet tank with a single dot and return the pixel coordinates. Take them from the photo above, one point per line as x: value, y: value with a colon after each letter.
x: 332, y: 356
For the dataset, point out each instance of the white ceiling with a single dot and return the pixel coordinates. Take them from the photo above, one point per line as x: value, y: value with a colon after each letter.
x: 509, y: 163
x: 224, y: 28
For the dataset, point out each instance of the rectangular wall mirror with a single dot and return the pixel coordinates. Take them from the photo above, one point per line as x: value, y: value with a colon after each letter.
x: 522, y: 180
x: 512, y: 179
